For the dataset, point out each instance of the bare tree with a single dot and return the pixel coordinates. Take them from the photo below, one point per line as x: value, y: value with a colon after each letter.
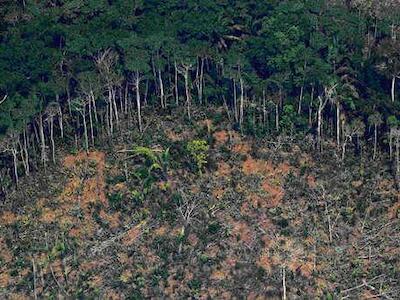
x: 52, y: 111
x: 10, y: 144
x: 187, y: 209
x: 389, y: 51
x: 105, y: 62
x: 355, y: 129
x: 375, y: 120
x: 136, y: 84
x: 176, y: 87
x: 42, y: 138
x: 328, y: 96
x: 89, y: 88
x: 200, y: 78
x: 4, y: 99
x: 184, y: 70
x: 395, y: 134
x: 79, y: 105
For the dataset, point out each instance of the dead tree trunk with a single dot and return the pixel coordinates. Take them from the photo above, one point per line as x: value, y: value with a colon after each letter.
x: 310, y: 110
x: 375, y: 140
x: 138, y: 104
x: 91, y: 122
x: 85, y: 131
x: 53, y: 151
x: 235, y: 106
x: 241, y: 112
x: 42, y: 140
x: 393, y: 88
x: 338, y: 124
x: 321, y: 106
x: 162, y: 94
x: 14, y: 154
x: 176, y: 85
x: 184, y: 70
x: 25, y: 149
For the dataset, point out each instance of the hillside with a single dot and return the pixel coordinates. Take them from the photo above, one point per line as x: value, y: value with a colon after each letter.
x: 262, y: 219
x: 200, y: 149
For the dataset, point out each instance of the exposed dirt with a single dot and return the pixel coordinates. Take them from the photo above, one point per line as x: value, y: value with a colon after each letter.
x: 254, y: 215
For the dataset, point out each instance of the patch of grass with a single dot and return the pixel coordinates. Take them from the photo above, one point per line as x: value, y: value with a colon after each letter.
x: 115, y: 199
x: 58, y: 250
x: 195, y: 285
x: 214, y: 228
x: 115, y: 180
x: 136, y: 295
x: 161, y: 244
x: 161, y: 273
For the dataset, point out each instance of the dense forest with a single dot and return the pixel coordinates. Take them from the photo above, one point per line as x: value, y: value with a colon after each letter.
x: 84, y: 76
x: 76, y: 68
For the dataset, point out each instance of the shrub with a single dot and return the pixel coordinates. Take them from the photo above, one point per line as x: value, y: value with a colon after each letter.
x: 198, y: 151
x: 155, y: 164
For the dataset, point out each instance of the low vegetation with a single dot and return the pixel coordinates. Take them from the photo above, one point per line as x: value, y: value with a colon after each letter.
x: 263, y: 218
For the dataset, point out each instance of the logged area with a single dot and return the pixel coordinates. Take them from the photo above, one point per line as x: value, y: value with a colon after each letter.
x: 109, y: 224
x: 200, y: 149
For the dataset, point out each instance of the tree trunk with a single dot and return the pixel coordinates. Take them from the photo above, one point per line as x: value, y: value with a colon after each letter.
x: 121, y: 106
x: 14, y: 154
x: 91, y: 123
x: 137, y: 87
x: 153, y: 68
x: 85, y: 132
x: 188, y: 96
x: 338, y: 124
x: 375, y: 140
x: 53, y: 150
x: 162, y: 96
x: 114, y: 102
x: 277, y: 116
x: 397, y: 160
x: 300, y: 99
x: 110, y: 112
x: 264, y: 109
x: 104, y: 118
x: 126, y: 98
x: 176, y: 85
x: 343, y: 150
x: 391, y: 143
x: 393, y: 88
x: 203, y: 82
x: 226, y: 108
x: 42, y: 141
x: 310, y: 107
x: 146, y: 92
x: 69, y: 100
x: 319, y: 126
x: 93, y: 98
x: 319, y: 135
x: 60, y: 121
x: 199, y: 80
x: 27, y: 171
x: 241, y: 113
x: 23, y: 159
x: 235, y: 106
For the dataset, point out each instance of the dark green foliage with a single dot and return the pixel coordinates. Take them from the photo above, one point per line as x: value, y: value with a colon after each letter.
x: 284, y: 48
x: 198, y: 152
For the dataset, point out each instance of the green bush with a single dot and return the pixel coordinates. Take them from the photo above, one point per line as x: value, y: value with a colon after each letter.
x: 154, y: 166
x: 198, y: 151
